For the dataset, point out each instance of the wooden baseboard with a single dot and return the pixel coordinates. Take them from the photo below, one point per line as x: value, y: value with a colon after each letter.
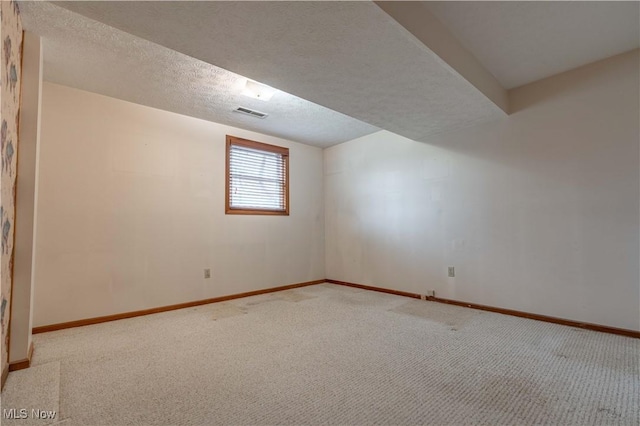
x: 24, y: 363
x: 537, y: 317
x: 5, y: 374
x: 115, y: 317
x: 380, y: 289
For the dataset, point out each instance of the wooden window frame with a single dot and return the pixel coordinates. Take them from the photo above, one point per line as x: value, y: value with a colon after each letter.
x: 233, y: 140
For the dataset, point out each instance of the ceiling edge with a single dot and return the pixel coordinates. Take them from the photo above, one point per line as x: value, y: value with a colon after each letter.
x: 418, y: 20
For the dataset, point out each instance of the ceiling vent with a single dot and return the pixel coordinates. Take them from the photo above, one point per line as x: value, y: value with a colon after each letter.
x: 253, y: 113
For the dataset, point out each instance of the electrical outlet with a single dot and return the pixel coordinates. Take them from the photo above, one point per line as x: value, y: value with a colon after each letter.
x: 431, y: 293
x: 207, y: 273
x: 452, y: 271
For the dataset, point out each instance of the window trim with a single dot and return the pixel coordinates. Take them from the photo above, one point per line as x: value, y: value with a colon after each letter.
x: 233, y: 140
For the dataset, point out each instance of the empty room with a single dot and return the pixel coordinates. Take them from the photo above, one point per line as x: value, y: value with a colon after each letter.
x: 320, y: 212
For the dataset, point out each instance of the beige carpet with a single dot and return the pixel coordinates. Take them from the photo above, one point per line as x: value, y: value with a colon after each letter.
x: 328, y: 354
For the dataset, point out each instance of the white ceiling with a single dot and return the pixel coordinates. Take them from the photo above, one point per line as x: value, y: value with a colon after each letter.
x: 350, y: 57
x: 521, y: 42
x: 361, y: 64
x: 89, y: 55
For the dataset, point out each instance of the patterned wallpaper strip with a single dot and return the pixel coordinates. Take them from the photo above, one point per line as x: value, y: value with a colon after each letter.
x: 10, y: 79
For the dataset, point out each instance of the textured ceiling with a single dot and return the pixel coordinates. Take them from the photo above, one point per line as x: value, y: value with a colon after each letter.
x: 347, y: 56
x: 352, y: 58
x: 521, y: 42
x: 89, y: 55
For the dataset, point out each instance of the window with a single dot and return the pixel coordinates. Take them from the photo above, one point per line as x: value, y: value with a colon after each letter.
x: 257, y: 178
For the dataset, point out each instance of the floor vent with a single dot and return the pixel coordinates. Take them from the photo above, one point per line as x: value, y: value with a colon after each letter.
x: 253, y: 113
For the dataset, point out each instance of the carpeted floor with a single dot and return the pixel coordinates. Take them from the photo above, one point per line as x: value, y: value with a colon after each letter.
x: 332, y: 355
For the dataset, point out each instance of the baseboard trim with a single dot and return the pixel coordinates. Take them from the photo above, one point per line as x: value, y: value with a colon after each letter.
x: 537, y: 317
x: 97, y: 320
x: 24, y: 363
x: 5, y: 374
x: 115, y: 317
x: 372, y: 288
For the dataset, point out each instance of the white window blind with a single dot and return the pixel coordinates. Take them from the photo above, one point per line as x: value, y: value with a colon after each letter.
x: 257, y: 178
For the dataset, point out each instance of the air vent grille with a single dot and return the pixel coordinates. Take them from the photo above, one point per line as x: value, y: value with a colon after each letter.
x: 251, y: 112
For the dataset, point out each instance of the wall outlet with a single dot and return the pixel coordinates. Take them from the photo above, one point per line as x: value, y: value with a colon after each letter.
x: 431, y: 293
x: 207, y: 273
x: 452, y: 271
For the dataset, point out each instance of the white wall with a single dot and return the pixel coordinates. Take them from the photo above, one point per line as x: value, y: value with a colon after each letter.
x: 26, y: 198
x: 538, y: 212
x: 131, y: 210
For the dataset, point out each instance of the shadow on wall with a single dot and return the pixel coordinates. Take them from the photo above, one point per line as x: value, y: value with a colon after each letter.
x: 576, y: 80
x: 547, y: 126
